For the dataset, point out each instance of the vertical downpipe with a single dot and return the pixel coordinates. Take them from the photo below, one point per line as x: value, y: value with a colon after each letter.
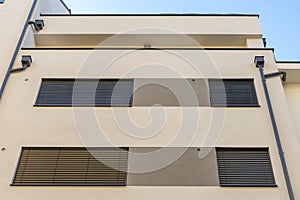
x: 275, y: 129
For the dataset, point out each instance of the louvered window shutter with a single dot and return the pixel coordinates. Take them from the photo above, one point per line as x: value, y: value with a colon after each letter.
x: 245, y: 167
x: 72, y: 166
x: 84, y: 92
x: 232, y: 93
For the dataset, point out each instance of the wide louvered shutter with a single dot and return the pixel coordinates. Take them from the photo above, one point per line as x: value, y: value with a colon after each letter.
x: 72, y: 166
x: 84, y: 92
x: 232, y: 93
x: 245, y: 167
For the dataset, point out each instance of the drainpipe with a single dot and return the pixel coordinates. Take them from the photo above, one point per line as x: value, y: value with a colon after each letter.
x: 13, y: 59
x: 259, y: 62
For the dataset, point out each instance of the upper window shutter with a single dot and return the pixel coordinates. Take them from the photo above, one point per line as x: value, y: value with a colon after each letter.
x: 72, y: 166
x: 245, y: 167
x: 84, y: 92
x: 232, y: 93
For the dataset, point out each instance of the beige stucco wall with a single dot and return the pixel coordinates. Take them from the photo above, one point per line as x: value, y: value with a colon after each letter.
x: 11, y: 27
x: 22, y: 124
x: 292, y: 92
x: 162, y: 39
x: 171, y: 92
x: 212, y: 25
x: 188, y: 170
x: 158, y: 31
x: 42, y: 126
x: 285, y: 102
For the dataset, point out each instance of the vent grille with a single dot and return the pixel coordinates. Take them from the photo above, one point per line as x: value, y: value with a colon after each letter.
x: 83, y: 92
x: 232, y: 93
x: 245, y: 167
x: 72, y: 166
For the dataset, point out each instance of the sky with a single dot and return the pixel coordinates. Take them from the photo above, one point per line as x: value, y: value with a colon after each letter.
x: 280, y: 20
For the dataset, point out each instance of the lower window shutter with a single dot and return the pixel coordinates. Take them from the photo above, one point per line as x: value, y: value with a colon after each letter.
x: 245, y: 167
x: 72, y: 166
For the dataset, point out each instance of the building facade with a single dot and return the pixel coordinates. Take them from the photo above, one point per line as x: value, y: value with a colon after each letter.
x: 151, y: 106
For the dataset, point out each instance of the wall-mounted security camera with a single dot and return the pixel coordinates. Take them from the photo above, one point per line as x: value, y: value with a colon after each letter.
x: 26, y: 62
x: 259, y: 61
x: 38, y: 24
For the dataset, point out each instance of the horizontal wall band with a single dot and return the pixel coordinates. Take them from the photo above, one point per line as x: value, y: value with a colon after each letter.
x: 147, y: 49
x: 162, y: 14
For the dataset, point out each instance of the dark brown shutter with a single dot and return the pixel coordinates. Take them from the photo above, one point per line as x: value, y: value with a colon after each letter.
x: 72, y: 166
x: 245, y: 167
x: 232, y: 93
x: 85, y: 92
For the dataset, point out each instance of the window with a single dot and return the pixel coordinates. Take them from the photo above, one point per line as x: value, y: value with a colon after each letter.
x: 2, y: 1
x: 72, y: 166
x: 232, y: 93
x: 84, y: 92
x: 245, y: 167
x: 108, y: 166
x: 147, y: 92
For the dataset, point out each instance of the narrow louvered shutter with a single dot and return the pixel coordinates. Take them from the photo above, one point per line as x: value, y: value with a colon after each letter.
x: 72, y: 166
x: 232, y: 93
x: 245, y: 167
x: 82, y: 92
